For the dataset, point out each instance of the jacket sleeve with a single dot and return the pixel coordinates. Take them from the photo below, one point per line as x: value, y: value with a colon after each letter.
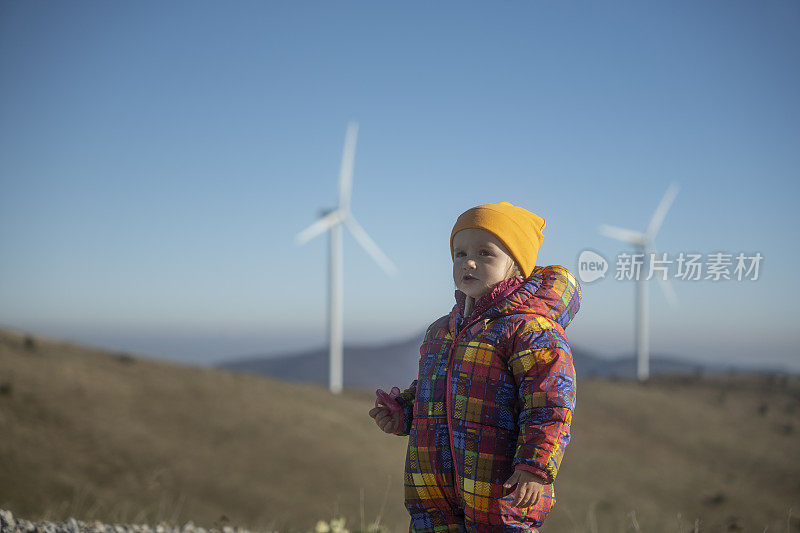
x: 406, y: 401
x: 541, y: 362
x: 406, y: 398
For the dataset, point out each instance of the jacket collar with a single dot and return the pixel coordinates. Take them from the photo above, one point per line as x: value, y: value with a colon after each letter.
x: 501, y: 290
x: 550, y: 291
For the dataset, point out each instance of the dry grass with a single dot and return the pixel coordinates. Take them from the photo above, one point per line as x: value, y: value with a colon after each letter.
x: 663, y: 455
x: 117, y: 438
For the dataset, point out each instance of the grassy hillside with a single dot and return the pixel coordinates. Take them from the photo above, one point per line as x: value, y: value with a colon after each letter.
x: 112, y: 437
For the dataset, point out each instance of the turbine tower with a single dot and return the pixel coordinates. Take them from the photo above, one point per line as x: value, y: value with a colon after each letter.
x: 643, y: 242
x: 332, y: 220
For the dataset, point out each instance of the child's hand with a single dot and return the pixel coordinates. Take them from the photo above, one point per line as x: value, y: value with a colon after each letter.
x: 388, y: 414
x: 385, y: 419
x: 529, y: 488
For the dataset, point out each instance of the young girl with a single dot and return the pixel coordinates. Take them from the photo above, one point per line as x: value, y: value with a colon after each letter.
x: 489, y: 415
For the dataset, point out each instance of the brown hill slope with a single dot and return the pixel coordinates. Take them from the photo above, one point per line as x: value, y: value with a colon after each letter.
x: 92, y: 434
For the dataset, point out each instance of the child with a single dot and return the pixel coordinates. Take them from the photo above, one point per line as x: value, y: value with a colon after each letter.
x: 489, y: 415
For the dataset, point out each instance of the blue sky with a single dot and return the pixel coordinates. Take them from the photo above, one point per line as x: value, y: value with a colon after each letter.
x: 157, y: 160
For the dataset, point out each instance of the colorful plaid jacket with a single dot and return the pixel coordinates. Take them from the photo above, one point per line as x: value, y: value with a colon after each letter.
x: 500, y: 388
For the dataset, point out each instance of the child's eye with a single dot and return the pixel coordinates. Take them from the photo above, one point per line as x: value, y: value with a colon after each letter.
x: 486, y: 252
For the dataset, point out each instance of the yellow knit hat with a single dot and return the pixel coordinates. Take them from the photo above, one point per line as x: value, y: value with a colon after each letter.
x: 517, y: 228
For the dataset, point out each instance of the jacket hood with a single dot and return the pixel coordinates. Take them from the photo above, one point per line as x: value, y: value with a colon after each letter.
x: 550, y: 291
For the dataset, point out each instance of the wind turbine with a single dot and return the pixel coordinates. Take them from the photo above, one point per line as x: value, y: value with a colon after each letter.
x: 643, y: 242
x: 332, y: 220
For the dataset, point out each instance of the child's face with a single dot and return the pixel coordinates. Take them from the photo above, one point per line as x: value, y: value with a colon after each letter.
x: 480, y: 254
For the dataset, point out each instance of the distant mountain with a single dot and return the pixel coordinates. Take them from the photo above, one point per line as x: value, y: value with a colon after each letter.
x: 365, y: 367
x: 381, y: 366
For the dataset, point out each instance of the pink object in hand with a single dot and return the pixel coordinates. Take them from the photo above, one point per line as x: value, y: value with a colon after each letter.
x: 388, y: 399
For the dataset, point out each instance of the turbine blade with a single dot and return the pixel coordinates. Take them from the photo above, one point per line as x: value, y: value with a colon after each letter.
x: 661, y: 211
x: 323, y: 224
x: 346, y: 170
x: 668, y: 291
x: 627, y: 235
x: 369, y: 245
x: 666, y: 286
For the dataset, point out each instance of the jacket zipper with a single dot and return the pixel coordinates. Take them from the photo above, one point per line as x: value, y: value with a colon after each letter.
x: 457, y: 479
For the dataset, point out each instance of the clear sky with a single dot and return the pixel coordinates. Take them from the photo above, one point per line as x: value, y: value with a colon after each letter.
x: 157, y: 159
